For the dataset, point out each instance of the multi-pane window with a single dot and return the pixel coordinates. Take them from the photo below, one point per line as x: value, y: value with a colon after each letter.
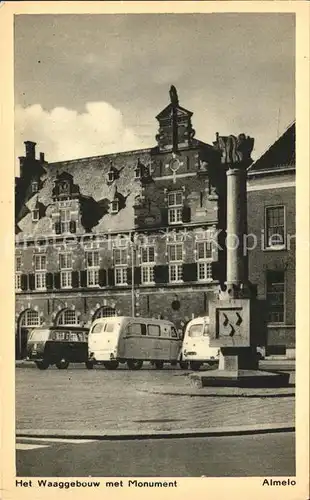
x: 30, y: 318
x: 65, y: 217
x: 40, y: 262
x: 204, y: 260
x: 18, y: 281
x: 175, y: 207
x: 147, y: 274
x: 275, y: 296
x: 18, y: 263
x: 147, y: 264
x: 92, y: 260
x: 65, y: 262
x: 104, y: 312
x: 67, y: 318
x: 120, y: 265
x: 120, y: 256
x: 275, y: 227
x: 18, y: 274
x: 121, y: 275
x: 40, y: 272
x: 175, y: 257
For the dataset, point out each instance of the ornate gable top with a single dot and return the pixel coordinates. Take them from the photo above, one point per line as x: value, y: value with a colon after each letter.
x: 175, y: 127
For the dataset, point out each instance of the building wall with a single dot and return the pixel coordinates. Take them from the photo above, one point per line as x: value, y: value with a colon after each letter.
x: 262, y: 194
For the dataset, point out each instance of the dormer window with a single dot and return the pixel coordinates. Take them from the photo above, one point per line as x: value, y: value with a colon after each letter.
x: 64, y: 188
x: 34, y: 187
x: 114, y: 207
x: 111, y: 176
x: 138, y: 173
x: 113, y: 173
x: 35, y: 215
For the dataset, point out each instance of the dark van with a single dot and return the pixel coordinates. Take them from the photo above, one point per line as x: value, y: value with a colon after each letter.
x: 58, y: 346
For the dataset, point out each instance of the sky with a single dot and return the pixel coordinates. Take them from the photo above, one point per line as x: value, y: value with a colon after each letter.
x: 87, y: 85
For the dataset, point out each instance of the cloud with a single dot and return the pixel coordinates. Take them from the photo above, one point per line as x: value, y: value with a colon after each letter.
x: 64, y: 134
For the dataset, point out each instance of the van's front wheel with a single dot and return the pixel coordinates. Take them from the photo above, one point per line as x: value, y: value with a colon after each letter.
x: 134, y: 364
x: 42, y: 365
x: 89, y: 365
x: 62, y: 364
x: 195, y: 365
x: 110, y: 365
x: 183, y: 364
x: 159, y: 365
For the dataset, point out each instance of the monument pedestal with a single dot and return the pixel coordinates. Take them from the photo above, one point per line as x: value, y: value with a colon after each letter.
x: 240, y: 378
x: 238, y: 367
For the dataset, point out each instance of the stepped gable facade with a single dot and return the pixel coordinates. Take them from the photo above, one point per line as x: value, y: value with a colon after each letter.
x: 124, y: 233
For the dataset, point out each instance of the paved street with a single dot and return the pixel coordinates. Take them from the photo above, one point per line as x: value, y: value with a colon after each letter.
x: 100, y: 400
x: 258, y: 455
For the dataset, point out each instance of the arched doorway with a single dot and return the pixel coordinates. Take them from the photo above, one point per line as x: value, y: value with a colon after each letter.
x: 104, y: 312
x: 67, y: 317
x: 28, y: 320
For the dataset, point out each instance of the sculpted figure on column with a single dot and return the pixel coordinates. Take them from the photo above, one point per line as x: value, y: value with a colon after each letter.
x: 235, y: 149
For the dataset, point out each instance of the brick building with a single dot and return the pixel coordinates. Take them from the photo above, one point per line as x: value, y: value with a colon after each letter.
x: 133, y: 233
x: 125, y: 233
x: 271, y: 218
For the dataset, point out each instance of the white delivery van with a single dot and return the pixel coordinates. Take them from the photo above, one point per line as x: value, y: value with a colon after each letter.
x: 123, y: 339
x: 196, y: 348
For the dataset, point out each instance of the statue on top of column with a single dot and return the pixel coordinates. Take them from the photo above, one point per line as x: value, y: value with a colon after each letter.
x: 173, y: 96
x: 235, y: 149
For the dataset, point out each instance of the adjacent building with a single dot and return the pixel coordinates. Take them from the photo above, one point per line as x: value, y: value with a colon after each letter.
x: 271, y: 218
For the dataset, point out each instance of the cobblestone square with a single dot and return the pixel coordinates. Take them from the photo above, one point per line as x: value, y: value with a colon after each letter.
x: 99, y: 400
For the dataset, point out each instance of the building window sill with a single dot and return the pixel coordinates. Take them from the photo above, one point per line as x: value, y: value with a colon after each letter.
x: 275, y: 248
x: 279, y: 325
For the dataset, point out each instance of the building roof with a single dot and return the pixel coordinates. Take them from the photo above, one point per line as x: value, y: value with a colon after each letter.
x: 280, y: 155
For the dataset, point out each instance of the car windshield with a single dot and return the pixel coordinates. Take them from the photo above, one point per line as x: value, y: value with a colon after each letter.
x: 195, y: 330
x: 39, y: 335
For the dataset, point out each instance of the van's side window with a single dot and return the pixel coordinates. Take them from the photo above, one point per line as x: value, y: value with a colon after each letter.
x: 109, y: 327
x: 174, y: 333
x: 59, y: 335
x: 136, y: 329
x: 153, y: 330
x: 98, y: 328
x: 165, y: 331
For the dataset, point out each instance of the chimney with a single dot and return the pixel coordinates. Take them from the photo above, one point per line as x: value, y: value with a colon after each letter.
x: 30, y: 149
x: 42, y: 157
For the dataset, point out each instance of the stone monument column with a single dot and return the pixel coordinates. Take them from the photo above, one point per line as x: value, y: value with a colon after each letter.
x: 236, y: 226
x: 236, y: 317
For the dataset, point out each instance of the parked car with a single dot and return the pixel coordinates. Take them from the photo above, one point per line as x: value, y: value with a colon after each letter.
x: 196, y: 349
x: 58, y: 346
